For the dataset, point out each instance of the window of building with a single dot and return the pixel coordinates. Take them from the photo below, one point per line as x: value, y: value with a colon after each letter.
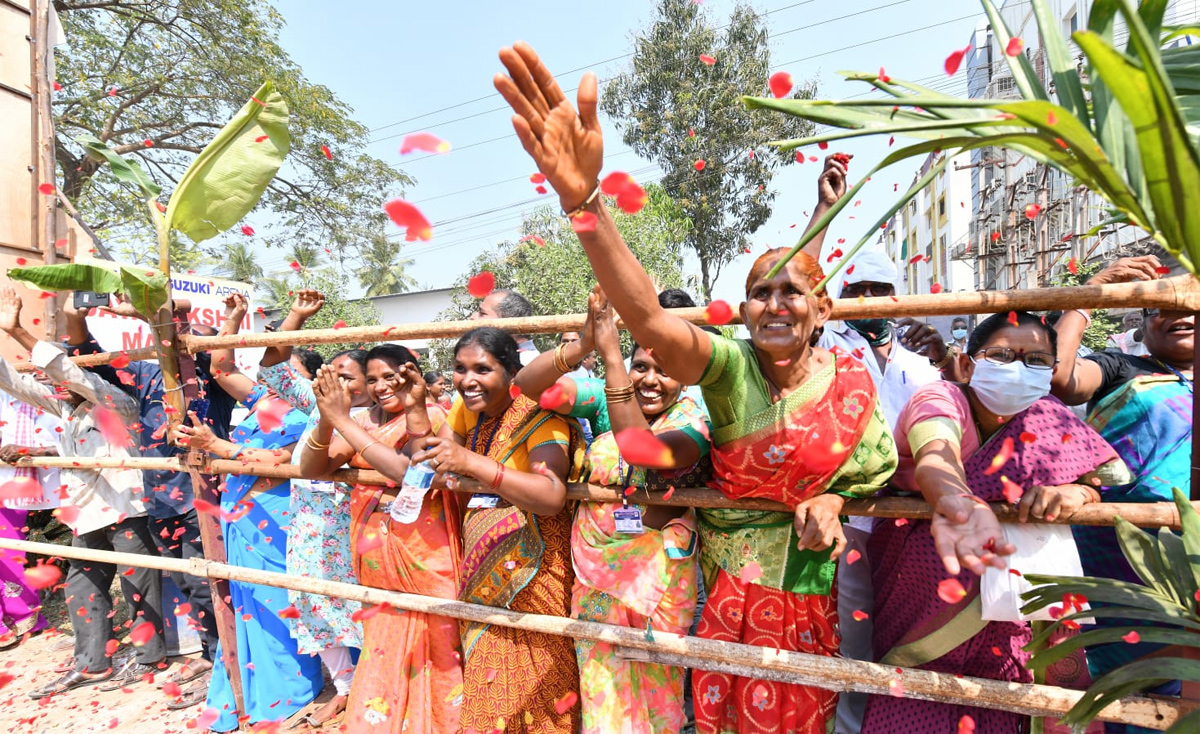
x: 942, y: 206
x: 1071, y: 21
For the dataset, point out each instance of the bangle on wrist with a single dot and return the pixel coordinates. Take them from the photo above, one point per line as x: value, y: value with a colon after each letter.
x: 614, y: 395
x: 498, y: 479
x: 1087, y: 316
x: 586, y: 202
x: 560, y: 360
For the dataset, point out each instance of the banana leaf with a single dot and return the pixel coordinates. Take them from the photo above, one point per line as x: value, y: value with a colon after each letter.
x: 145, y: 289
x: 229, y: 176
x: 1024, y: 75
x: 1062, y: 64
x: 124, y: 169
x: 69, y: 277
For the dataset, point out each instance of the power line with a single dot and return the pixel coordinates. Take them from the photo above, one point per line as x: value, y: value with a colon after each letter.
x: 585, y: 67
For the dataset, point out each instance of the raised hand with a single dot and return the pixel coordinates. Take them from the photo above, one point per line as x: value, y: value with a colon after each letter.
x: 236, y: 307
x: 922, y: 338
x: 567, y: 147
x: 412, y: 391
x: 831, y: 184
x: 120, y: 307
x: 967, y: 533
x: 196, y: 436
x: 10, y: 309
x: 1127, y: 270
x: 333, y: 395
x: 308, y: 302
x: 601, y: 324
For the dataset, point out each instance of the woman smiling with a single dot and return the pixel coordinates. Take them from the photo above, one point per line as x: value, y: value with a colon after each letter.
x: 516, y: 538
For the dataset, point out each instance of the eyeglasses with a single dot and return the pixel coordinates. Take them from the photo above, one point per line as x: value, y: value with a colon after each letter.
x: 1032, y: 360
x: 876, y: 290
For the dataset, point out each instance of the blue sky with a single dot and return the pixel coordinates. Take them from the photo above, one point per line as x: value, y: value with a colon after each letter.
x: 428, y: 67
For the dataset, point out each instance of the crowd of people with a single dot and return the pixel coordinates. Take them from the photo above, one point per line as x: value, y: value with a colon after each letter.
x: 806, y: 411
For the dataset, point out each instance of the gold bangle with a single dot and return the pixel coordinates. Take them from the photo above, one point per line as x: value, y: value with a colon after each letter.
x: 363, y: 451
x: 315, y: 443
x: 586, y: 202
x: 560, y: 362
x: 615, y: 395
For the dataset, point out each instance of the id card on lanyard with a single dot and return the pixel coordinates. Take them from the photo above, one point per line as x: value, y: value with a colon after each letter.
x: 628, y: 520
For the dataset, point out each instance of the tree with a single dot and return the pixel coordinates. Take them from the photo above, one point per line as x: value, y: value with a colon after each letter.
x: 1102, y: 325
x: 384, y: 270
x: 306, y: 255
x: 676, y: 110
x: 240, y: 264
x: 555, y: 275
x: 155, y: 80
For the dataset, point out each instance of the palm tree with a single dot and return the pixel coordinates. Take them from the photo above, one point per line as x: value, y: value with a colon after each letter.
x: 277, y: 293
x: 384, y: 270
x: 306, y: 254
x: 241, y: 264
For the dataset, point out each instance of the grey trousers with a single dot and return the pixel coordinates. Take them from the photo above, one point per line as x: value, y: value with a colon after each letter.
x: 90, y: 603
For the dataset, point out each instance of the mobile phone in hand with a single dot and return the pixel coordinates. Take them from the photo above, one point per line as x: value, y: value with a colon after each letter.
x: 90, y: 300
x: 199, y: 406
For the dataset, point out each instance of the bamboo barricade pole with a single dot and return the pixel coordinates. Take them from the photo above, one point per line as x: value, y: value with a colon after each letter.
x: 831, y: 673
x: 1181, y: 293
x: 1146, y: 515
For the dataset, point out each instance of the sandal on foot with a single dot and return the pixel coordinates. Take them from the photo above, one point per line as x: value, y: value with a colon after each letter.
x: 67, y: 682
x: 132, y: 672
x: 186, y: 673
x: 194, y: 695
x: 333, y: 720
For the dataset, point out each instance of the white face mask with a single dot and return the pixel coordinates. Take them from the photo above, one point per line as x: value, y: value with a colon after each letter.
x: 1007, y: 389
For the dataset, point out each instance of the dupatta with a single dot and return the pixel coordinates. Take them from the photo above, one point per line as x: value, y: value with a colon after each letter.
x: 793, y: 450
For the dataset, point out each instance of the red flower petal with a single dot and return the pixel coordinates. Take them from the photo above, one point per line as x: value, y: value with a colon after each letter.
x: 553, y: 397
x: 707, y: 59
x: 859, y: 615
x: 290, y: 612
x: 750, y: 573
x: 566, y: 703
x: 141, y: 634
x: 966, y: 725
x: 514, y: 391
x: 542, y: 190
x: 481, y: 285
x: 718, y: 313
x: 699, y: 165
x: 247, y: 230
x: 209, y: 716
x: 935, y: 288
x: 294, y: 265
x: 537, y: 178
x: 534, y: 239
x: 120, y: 361
x: 1051, y: 118
x: 1012, y: 490
x: 1002, y: 456
x: 1015, y: 46
x: 408, y: 217
x: 261, y: 138
x: 1032, y: 211
x: 42, y: 576
x: 172, y: 689
x: 584, y: 222
x: 995, y: 236
x: 1132, y: 638
x: 325, y: 150
x: 1073, y: 267
x: 640, y: 447
x: 883, y: 77
x: 954, y: 60
x: 340, y: 324
x: 951, y: 591
x: 1162, y: 270
x: 1012, y: 319
x: 47, y: 189
x: 853, y: 557
x: 781, y: 84
x: 270, y: 414
x: 425, y: 142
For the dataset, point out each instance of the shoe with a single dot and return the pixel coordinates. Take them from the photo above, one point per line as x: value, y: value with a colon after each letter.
x: 71, y: 680
x: 194, y: 695
x: 132, y: 672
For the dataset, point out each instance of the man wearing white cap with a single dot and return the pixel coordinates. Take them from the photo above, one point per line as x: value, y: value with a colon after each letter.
x: 901, y: 356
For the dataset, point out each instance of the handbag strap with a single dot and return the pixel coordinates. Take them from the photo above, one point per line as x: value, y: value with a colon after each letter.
x: 965, y: 625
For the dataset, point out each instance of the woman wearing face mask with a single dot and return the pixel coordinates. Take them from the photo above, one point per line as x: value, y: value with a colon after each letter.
x: 516, y: 538
x: 319, y: 535
x: 420, y: 557
x: 634, y: 564
x: 950, y: 437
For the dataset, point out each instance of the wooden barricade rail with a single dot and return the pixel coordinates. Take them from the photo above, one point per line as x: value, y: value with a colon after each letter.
x: 1145, y: 515
x: 832, y: 673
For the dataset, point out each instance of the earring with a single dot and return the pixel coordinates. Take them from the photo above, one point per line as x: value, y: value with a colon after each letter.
x: 816, y: 336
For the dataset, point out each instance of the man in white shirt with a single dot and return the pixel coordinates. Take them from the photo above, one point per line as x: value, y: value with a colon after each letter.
x: 900, y: 357
x: 102, y: 507
x: 505, y: 303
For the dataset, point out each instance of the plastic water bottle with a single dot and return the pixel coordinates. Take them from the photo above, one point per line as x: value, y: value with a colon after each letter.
x: 417, y: 480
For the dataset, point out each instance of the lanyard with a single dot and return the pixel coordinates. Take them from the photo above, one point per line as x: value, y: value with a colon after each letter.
x: 624, y: 480
x: 475, y: 438
x: 1187, y: 381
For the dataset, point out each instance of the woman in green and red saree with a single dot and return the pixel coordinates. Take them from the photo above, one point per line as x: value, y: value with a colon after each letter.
x: 998, y: 438
x: 516, y: 539
x: 791, y: 422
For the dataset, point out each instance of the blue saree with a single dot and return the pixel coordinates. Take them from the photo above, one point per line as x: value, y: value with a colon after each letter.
x: 277, y: 681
